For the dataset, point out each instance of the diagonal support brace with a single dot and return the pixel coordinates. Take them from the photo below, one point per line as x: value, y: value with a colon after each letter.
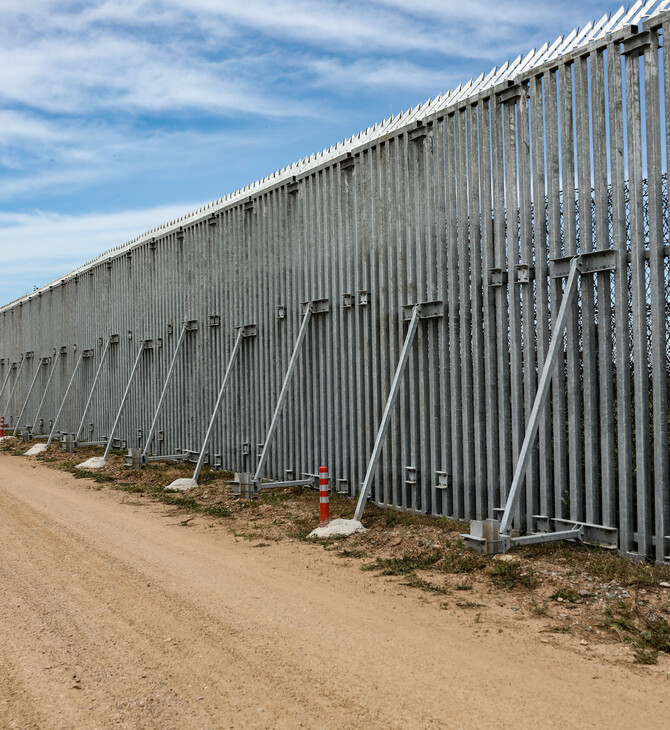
x: 541, y: 395
x: 413, y: 312
x: 248, y: 330
x: 316, y: 306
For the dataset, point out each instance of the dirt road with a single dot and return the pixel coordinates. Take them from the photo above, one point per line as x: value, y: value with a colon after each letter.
x: 113, y: 614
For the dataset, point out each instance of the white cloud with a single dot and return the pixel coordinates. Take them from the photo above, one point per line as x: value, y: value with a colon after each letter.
x: 39, y: 247
x: 41, y: 237
x: 383, y: 73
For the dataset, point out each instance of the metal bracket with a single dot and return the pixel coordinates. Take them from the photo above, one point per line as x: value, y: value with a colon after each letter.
x: 418, y: 133
x: 191, y: 325
x: 214, y: 320
x: 347, y: 301
x: 443, y: 480
x: 637, y: 43
x: 316, y: 306
x: 247, y: 330
x: 348, y: 162
x: 342, y: 486
x: 590, y: 262
x: 281, y: 311
x: 497, y: 277
x: 293, y: 187
x: 511, y: 94
x: 426, y: 310
x: 485, y: 536
x: 524, y: 274
x: 363, y: 297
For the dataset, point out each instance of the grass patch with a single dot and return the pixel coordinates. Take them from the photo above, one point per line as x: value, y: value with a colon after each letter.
x: 414, y: 581
x: 606, y: 565
x: 405, y: 565
x: 566, y: 594
x: 102, y: 478
x: 647, y: 632
x: 469, y: 604
x: 460, y: 560
x: 347, y: 553
x: 463, y: 586
x: 217, y: 510
x: 539, y: 609
x: 510, y: 574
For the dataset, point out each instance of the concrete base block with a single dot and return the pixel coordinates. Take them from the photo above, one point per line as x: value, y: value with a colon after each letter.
x: 181, y: 485
x: 336, y: 528
x: 95, y: 462
x: 36, y: 449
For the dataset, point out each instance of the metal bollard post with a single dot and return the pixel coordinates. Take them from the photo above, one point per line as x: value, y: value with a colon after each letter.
x: 324, y: 496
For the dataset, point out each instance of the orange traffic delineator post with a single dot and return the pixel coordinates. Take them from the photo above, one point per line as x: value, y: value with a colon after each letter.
x: 324, y: 496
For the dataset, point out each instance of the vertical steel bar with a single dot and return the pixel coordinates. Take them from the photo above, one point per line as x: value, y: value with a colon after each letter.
x: 622, y: 322
x: 511, y: 147
x: 639, y: 313
x: 529, y: 311
x: 489, y: 311
x: 586, y: 244
x: 477, y: 378
x: 656, y: 299
x: 540, y: 143
x: 575, y: 443
x: 604, y: 293
x: 554, y: 223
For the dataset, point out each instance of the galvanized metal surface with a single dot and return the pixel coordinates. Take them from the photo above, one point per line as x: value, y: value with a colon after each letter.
x: 471, y: 200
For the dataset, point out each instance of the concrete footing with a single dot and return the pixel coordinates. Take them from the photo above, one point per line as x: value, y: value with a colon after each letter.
x: 181, y: 485
x: 36, y: 449
x: 338, y: 528
x: 95, y: 462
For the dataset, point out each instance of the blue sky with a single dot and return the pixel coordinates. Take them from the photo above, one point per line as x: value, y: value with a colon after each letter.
x: 119, y: 115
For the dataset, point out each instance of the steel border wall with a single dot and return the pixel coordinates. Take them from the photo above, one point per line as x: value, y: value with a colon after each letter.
x: 440, y: 204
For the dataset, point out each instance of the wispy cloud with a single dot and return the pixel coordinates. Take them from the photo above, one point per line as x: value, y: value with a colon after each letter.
x: 382, y: 73
x: 37, y: 247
